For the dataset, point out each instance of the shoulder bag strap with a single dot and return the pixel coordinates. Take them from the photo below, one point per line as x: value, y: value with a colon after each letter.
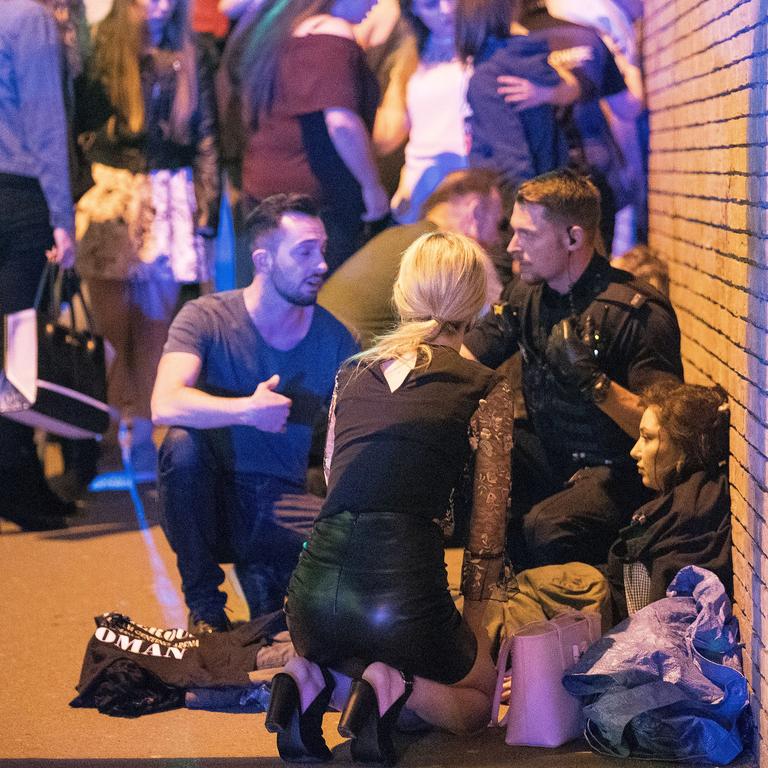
x: 503, y: 666
x: 71, y: 288
x: 47, y: 279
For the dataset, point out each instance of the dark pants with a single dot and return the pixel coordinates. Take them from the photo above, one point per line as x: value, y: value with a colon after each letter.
x: 211, y: 515
x: 555, y: 521
x: 25, y: 234
x: 345, y: 235
x: 579, y: 523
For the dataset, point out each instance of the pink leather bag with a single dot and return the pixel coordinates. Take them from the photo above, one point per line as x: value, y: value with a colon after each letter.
x: 541, y: 712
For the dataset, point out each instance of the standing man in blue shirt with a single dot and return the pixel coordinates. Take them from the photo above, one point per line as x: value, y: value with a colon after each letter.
x: 244, y: 378
x: 36, y: 220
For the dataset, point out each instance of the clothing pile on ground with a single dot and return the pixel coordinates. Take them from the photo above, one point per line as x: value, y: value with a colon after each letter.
x: 131, y: 670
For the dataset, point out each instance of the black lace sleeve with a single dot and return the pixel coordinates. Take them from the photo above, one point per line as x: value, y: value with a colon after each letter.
x: 491, y: 438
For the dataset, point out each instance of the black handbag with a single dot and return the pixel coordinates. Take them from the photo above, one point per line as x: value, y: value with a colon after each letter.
x: 53, y: 376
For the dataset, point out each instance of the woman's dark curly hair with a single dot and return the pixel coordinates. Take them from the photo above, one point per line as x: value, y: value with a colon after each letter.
x: 696, y: 419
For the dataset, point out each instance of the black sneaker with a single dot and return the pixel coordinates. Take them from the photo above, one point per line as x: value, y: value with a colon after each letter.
x: 197, y: 625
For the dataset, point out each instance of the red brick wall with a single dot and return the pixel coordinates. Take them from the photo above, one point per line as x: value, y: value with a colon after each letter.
x: 706, y: 68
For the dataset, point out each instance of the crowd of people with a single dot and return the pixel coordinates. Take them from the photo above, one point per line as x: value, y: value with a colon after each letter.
x: 454, y: 332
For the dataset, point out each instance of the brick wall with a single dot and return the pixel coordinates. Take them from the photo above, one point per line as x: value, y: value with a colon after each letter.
x: 706, y: 68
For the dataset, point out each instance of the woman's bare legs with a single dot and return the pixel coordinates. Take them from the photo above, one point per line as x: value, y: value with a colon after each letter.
x: 135, y: 317
x: 461, y: 708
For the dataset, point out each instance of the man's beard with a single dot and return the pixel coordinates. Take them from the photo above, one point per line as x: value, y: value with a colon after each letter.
x: 295, y: 298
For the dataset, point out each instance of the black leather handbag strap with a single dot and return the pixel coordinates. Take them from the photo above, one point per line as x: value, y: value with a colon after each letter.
x: 47, y: 280
x: 62, y: 287
x: 71, y: 289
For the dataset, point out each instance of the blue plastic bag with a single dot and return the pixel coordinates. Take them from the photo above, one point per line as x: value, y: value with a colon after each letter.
x: 666, y: 683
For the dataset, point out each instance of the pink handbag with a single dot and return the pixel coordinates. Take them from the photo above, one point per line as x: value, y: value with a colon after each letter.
x: 541, y: 712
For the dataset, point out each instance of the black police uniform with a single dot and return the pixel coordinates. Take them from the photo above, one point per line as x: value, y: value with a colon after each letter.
x: 574, y: 484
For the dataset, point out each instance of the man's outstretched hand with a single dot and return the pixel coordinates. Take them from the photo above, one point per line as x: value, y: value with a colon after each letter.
x: 524, y: 93
x: 267, y: 409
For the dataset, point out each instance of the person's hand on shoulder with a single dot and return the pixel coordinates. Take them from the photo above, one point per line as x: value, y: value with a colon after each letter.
x: 524, y: 93
x: 267, y: 409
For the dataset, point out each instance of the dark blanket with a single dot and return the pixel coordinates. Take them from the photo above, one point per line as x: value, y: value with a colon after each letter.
x: 690, y: 525
x: 131, y: 670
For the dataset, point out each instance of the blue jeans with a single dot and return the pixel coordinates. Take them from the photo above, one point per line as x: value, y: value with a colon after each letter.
x: 212, y: 514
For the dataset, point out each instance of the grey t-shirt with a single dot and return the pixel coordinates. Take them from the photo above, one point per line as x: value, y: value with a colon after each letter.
x: 236, y: 359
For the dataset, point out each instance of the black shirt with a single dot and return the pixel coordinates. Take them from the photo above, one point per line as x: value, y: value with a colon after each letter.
x: 403, y: 451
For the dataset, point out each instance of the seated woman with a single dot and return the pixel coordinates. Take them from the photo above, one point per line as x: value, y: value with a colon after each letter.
x: 369, y: 597
x: 681, y: 453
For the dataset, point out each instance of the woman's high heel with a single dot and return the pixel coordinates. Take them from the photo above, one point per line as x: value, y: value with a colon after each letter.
x: 299, y: 734
x: 283, y: 701
x: 371, y: 731
x: 358, y: 710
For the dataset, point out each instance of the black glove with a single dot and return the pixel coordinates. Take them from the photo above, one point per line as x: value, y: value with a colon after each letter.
x: 574, y: 362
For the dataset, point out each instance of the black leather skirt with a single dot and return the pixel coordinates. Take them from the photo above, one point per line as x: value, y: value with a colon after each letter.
x: 373, y: 587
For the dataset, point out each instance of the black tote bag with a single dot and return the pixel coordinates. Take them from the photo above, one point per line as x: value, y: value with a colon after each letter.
x: 53, y: 377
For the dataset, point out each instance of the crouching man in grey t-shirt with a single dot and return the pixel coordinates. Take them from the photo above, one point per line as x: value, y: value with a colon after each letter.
x: 243, y: 378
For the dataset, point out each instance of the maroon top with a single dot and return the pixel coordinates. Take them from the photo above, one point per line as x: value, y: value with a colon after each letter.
x: 291, y: 150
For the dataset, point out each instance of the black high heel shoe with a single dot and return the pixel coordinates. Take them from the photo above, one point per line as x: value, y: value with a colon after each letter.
x: 299, y: 734
x: 371, y: 731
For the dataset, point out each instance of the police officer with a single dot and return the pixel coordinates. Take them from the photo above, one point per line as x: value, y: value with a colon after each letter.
x: 591, y: 338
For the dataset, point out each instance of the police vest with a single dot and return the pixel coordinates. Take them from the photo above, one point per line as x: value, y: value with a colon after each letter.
x: 574, y: 432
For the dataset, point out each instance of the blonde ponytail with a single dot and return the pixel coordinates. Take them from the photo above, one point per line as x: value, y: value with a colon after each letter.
x: 441, y: 287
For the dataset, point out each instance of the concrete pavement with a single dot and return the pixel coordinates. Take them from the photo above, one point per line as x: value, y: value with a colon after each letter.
x: 54, y: 583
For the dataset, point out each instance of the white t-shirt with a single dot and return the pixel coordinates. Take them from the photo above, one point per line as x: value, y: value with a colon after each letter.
x: 436, y: 99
